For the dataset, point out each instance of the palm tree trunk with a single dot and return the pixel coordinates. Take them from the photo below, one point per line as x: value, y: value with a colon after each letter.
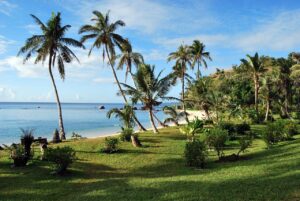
x: 160, y: 123
x: 198, y: 71
x: 152, y: 121
x: 256, y: 87
x: 122, y: 92
x: 183, y: 97
x: 60, y: 118
x: 267, y: 110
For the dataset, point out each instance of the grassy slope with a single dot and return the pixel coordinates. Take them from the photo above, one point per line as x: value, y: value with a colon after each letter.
x: 158, y: 172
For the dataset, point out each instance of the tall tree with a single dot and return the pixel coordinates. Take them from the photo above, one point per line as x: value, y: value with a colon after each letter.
x: 199, y: 56
x: 183, y: 60
x: 149, y: 89
x: 255, y: 66
x: 128, y: 58
x: 52, y: 44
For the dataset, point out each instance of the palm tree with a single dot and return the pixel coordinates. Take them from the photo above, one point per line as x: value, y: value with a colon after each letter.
x: 128, y: 58
x: 199, y: 55
x: 103, y: 33
x: 149, y: 89
x: 267, y: 93
x: 255, y: 66
x: 52, y: 45
x: 125, y: 115
x: 174, y: 116
x: 183, y: 59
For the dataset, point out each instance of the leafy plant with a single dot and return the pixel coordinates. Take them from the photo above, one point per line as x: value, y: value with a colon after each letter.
x: 174, y: 116
x: 192, y: 128
x: 244, y: 142
x: 126, y: 133
x: 195, y: 153
x: 62, y: 157
x: 56, y: 138
x: 290, y: 129
x: 110, y: 145
x: 76, y: 136
x: 18, y: 155
x: 27, y: 139
x: 274, y: 132
x: 241, y: 129
x: 216, y: 138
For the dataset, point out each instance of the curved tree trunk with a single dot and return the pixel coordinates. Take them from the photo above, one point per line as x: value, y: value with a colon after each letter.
x: 60, y: 118
x: 120, y: 88
x: 267, y: 110
x: 160, y: 122
x: 152, y: 121
x: 182, y: 96
x: 198, y: 71
x: 256, y: 88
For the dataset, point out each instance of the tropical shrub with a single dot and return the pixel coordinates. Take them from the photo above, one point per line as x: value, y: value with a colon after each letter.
x: 192, y: 128
x: 244, y: 142
x: 195, y: 153
x: 126, y: 133
x: 229, y: 127
x: 27, y: 139
x: 18, y: 155
x: 216, y: 138
x: 110, y: 145
x: 290, y: 129
x: 274, y: 132
x: 61, y: 157
x: 241, y: 129
x: 56, y: 138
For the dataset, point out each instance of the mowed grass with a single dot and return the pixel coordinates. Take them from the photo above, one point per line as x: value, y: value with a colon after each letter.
x: 158, y: 172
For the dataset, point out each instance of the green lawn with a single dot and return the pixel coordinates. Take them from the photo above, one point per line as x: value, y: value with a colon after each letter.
x: 158, y: 172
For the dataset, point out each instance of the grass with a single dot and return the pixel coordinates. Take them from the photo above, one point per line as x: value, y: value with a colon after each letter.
x: 158, y: 172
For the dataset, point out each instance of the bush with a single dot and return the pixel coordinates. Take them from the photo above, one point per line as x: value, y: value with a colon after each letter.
x: 26, y: 140
x: 244, y: 142
x: 192, y: 128
x: 195, y: 153
x: 18, y: 155
x: 126, y: 133
x: 216, y: 138
x: 62, y: 157
x: 56, y: 138
x: 274, y: 132
x: 242, y: 128
x: 290, y: 129
x: 76, y: 136
x: 230, y: 127
x: 111, y: 145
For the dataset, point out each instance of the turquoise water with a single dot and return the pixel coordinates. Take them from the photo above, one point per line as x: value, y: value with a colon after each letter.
x: 83, y: 118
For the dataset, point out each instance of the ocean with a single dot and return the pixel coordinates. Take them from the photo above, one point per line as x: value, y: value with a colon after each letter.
x: 83, y: 118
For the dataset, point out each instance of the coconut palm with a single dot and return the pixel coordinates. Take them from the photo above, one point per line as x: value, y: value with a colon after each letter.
x: 128, y: 58
x: 183, y: 60
x: 105, y: 37
x: 52, y: 44
x: 255, y: 66
x: 174, y: 116
x: 125, y: 115
x: 199, y: 55
x: 266, y: 93
x: 149, y: 89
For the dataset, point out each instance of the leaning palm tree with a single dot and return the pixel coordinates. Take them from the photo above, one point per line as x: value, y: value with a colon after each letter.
x: 149, y: 89
x: 199, y: 55
x: 183, y: 59
x: 52, y: 44
x: 105, y: 38
x: 128, y: 58
x: 174, y: 116
x: 255, y: 66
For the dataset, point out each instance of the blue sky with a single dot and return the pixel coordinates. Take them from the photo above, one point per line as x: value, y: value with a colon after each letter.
x: 230, y: 30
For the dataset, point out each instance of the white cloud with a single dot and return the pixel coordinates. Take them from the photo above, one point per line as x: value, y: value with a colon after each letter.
x: 7, y: 94
x: 32, y: 28
x: 6, y: 7
x: 4, y: 42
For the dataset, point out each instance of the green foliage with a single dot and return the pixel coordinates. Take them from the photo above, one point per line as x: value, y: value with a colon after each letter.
x: 110, y: 145
x: 229, y: 127
x: 290, y: 129
x: 192, y: 128
x: 19, y: 155
x: 27, y: 139
x: 76, y: 136
x: 195, y: 153
x: 125, y: 115
x: 126, y: 133
x: 216, y: 138
x: 274, y: 132
x: 56, y: 138
x: 241, y: 129
x: 244, y: 142
x: 61, y: 157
